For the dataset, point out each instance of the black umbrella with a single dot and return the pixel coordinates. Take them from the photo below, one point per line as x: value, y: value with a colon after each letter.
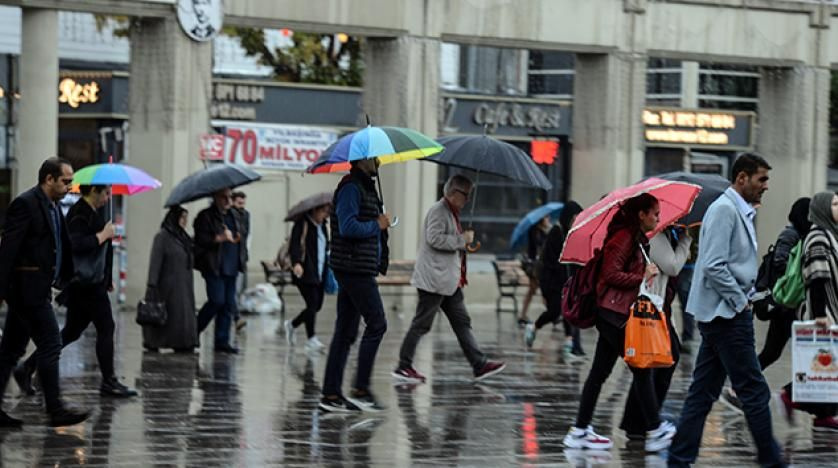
x: 308, y: 203
x: 208, y: 181
x: 491, y: 156
x: 712, y: 186
x: 488, y: 155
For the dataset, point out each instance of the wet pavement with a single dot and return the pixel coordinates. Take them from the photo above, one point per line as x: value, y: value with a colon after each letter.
x: 260, y: 408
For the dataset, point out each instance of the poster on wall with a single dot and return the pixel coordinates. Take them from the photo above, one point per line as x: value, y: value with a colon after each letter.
x: 270, y: 146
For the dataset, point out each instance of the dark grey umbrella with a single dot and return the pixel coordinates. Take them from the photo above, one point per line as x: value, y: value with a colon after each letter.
x: 484, y: 154
x: 208, y: 181
x: 712, y: 186
x: 308, y: 203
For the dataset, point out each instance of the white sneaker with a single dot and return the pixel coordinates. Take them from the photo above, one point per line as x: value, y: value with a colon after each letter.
x: 660, y: 438
x: 313, y: 344
x: 587, y: 439
x: 289, y: 333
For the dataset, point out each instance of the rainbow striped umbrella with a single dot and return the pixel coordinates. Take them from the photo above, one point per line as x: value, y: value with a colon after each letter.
x: 123, y: 179
x: 388, y: 144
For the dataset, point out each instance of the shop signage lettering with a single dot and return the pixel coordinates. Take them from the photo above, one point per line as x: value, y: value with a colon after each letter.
x: 271, y: 146
x: 73, y: 93
x: 504, y: 117
x: 231, y: 101
x: 505, y: 114
x: 697, y: 128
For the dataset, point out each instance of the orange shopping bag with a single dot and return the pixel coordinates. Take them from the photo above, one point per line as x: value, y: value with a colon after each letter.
x: 647, y: 342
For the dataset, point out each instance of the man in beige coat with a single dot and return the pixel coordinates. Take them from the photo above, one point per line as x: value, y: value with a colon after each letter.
x: 439, y: 277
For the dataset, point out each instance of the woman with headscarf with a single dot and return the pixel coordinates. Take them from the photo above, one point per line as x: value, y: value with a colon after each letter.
x: 820, y: 277
x: 170, y: 281
x: 552, y: 278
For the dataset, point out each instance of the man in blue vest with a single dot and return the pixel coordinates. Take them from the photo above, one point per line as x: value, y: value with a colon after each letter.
x: 359, y: 252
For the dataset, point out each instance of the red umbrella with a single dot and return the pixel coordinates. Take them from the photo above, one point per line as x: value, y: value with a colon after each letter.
x: 588, y: 231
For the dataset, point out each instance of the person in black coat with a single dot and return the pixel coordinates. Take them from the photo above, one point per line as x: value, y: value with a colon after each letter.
x: 87, y: 294
x: 553, y: 276
x: 219, y: 256
x: 35, y: 256
x: 308, y: 260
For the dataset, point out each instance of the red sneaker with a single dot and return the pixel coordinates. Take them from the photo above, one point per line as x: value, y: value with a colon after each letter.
x: 489, y: 369
x: 408, y: 375
x: 829, y: 424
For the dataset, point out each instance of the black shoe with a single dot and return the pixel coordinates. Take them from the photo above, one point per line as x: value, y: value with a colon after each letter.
x: 8, y: 421
x: 365, y: 400
x: 24, y: 380
x: 114, y: 388
x: 338, y: 405
x: 226, y: 349
x: 67, y: 417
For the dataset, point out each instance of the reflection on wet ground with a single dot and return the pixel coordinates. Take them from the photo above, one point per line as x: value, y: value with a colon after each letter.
x: 260, y: 408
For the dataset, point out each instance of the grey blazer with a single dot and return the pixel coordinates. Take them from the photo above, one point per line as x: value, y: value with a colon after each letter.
x: 726, y: 268
x: 438, y: 260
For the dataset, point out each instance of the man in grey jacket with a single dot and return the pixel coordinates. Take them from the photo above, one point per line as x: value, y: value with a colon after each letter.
x: 720, y: 301
x: 439, y: 277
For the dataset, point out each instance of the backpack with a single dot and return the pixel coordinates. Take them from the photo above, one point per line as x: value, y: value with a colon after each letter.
x: 579, y: 294
x: 283, y: 257
x: 766, y: 276
x: 789, y: 290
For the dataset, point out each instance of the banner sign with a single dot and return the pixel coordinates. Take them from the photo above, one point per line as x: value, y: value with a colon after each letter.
x: 269, y: 146
x: 704, y: 128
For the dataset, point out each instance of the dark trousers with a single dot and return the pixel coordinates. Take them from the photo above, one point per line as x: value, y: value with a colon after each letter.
x: 661, y: 378
x: 38, y: 323
x: 685, y: 282
x: 221, y: 305
x: 554, y: 313
x: 609, y: 348
x: 313, y: 296
x: 454, y: 308
x: 86, y: 305
x: 357, y: 297
x: 779, y: 332
x: 727, y: 350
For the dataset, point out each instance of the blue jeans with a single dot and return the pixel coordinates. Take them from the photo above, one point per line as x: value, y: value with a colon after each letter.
x: 357, y: 297
x: 727, y: 350
x: 221, y: 305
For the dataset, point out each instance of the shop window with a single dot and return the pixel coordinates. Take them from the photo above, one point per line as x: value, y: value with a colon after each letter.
x: 668, y: 82
x: 728, y: 85
x: 492, y: 70
x: 554, y: 84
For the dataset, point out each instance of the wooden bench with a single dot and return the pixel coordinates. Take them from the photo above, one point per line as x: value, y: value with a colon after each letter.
x: 510, y: 276
x: 278, y: 277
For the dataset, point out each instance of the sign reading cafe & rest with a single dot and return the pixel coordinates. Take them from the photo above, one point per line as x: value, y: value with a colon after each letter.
x: 271, y: 146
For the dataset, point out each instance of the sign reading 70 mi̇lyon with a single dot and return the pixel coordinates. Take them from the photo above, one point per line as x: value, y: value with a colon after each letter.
x: 698, y: 128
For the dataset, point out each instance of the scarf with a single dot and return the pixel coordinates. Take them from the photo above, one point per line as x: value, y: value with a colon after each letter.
x: 172, y: 226
x: 463, y: 270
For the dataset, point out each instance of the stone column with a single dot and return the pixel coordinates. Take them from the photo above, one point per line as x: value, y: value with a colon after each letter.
x: 170, y: 90
x: 608, y: 148
x: 38, y: 124
x: 793, y: 136
x: 401, y: 88
x: 690, y: 78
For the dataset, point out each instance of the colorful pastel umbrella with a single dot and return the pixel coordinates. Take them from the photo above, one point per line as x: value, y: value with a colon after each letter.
x: 588, y: 232
x: 519, y: 236
x: 123, y: 179
x: 388, y: 144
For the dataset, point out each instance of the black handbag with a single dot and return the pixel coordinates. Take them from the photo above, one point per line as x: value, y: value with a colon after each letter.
x: 151, y: 311
x: 90, y: 269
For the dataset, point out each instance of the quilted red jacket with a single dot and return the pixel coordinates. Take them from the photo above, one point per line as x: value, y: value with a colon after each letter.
x: 621, y: 272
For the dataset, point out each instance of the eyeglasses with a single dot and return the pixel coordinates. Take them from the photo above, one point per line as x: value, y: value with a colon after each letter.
x: 462, y: 192
x: 67, y: 181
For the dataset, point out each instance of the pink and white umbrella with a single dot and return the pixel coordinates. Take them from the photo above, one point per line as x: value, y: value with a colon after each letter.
x: 588, y: 232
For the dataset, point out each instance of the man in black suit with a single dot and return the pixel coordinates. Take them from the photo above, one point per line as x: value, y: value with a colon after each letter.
x: 35, y: 256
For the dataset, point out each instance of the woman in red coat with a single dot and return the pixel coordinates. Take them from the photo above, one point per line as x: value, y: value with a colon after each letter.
x: 622, y: 271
